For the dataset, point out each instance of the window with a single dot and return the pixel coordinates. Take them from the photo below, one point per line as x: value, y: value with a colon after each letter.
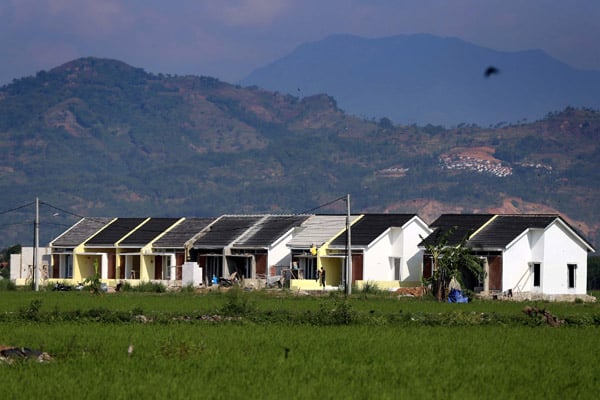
x: 536, y: 274
x: 167, y: 267
x: 397, y: 267
x: 309, y: 266
x: 571, y: 275
x: 68, y: 266
x: 214, y: 266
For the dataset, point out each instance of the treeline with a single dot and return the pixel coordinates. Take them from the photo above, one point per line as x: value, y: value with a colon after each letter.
x: 593, y: 277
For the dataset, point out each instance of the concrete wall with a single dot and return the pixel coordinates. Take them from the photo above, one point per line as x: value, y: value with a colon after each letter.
x: 21, y: 265
x: 560, y: 250
x: 278, y: 253
x: 554, y: 248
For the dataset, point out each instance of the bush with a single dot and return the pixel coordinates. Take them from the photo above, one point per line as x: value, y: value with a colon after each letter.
x: 370, y: 288
x: 238, y: 303
x: 148, y: 287
x: 7, y: 284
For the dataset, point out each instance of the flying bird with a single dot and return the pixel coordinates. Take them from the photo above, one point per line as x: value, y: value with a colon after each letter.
x: 491, y: 70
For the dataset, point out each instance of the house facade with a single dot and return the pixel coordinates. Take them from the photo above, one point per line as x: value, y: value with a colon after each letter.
x: 524, y: 256
x: 530, y: 256
x: 385, y: 249
x: 309, y: 252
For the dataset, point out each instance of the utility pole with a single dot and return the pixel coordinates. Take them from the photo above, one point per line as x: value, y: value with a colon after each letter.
x: 36, y: 234
x: 348, y: 282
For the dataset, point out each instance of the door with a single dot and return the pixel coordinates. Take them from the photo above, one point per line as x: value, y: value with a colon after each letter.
x: 112, y: 269
x: 179, y: 260
x: 158, y: 267
x: 357, y: 267
x: 261, y: 264
x: 495, y: 272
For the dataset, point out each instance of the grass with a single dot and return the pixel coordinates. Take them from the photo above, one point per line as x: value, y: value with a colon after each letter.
x: 380, y: 354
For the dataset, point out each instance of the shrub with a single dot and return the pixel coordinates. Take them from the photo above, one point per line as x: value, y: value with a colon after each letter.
x: 238, y: 303
x: 7, y: 284
x: 149, y: 287
x: 370, y: 287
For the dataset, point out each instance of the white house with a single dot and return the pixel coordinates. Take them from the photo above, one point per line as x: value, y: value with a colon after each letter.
x: 22, y: 266
x: 526, y: 256
x: 385, y: 249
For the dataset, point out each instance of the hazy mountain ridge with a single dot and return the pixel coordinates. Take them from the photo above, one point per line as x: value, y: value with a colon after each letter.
x: 428, y: 79
x: 97, y: 137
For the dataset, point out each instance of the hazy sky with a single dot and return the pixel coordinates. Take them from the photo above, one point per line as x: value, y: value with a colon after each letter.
x: 227, y: 39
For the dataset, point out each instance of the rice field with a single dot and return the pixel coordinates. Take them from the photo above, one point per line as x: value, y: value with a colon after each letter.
x: 386, y: 349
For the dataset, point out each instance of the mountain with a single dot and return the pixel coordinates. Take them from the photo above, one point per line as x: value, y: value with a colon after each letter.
x: 425, y: 79
x: 97, y: 137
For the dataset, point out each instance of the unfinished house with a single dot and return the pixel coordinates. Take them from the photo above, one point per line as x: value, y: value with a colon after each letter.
x: 170, y: 249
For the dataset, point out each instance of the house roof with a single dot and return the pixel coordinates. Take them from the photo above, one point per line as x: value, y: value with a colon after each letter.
x: 225, y: 230
x: 266, y: 231
x: 456, y: 226
x: 78, y: 233
x: 182, y: 232
x: 319, y: 229
x: 114, y: 232
x: 148, y: 232
x: 370, y: 227
x: 503, y: 229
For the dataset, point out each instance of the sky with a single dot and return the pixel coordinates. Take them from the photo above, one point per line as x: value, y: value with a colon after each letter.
x: 228, y: 39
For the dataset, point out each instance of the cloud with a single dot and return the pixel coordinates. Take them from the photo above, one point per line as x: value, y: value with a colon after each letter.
x: 247, y: 13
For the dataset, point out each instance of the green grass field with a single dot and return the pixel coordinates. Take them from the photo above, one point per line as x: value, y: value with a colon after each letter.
x: 285, y: 346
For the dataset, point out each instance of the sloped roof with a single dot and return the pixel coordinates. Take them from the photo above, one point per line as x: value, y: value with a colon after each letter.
x: 82, y: 230
x: 225, y: 230
x: 147, y: 232
x: 182, y: 232
x: 318, y: 229
x: 370, y: 227
x: 266, y: 231
x: 114, y: 231
x: 503, y: 229
x: 456, y: 226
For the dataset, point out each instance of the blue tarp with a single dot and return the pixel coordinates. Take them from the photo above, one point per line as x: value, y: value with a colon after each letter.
x: 456, y: 296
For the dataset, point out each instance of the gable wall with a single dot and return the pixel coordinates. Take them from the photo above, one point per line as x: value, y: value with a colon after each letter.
x: 561, y: 249
x: 516, y: 274
x: 412, y: 255
x: 376, y: 264
x: 279, y: 253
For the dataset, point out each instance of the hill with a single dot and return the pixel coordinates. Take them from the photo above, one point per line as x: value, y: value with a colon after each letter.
x: 97, y: 137
x: 425, y: 79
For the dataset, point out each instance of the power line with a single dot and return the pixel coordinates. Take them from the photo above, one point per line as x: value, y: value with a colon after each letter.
x: 324, y: 205
x: 17, y: 208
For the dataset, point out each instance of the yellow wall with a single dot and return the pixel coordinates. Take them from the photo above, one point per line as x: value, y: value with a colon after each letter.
x: 384, y: 285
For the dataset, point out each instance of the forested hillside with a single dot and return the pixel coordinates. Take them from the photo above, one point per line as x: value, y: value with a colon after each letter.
x: 96, y: 137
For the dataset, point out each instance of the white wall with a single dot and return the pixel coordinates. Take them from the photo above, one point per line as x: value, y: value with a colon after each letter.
x: 191, y: 274
x: 279, y: 253
x: 516, y: 272
x: 553, y: 248
x: 376, y: 260
x: 399, y: 243
x: 412, y: 256
x: 561, y: 249
x: 21, y: 265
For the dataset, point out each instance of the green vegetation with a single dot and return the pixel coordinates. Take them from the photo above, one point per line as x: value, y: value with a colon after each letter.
x: 593, y: 276
x: 255, y: 151
x: 451, y: 262
x: 236, y: 344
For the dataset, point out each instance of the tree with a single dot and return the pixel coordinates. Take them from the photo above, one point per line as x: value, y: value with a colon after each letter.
x: 450, y: 261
